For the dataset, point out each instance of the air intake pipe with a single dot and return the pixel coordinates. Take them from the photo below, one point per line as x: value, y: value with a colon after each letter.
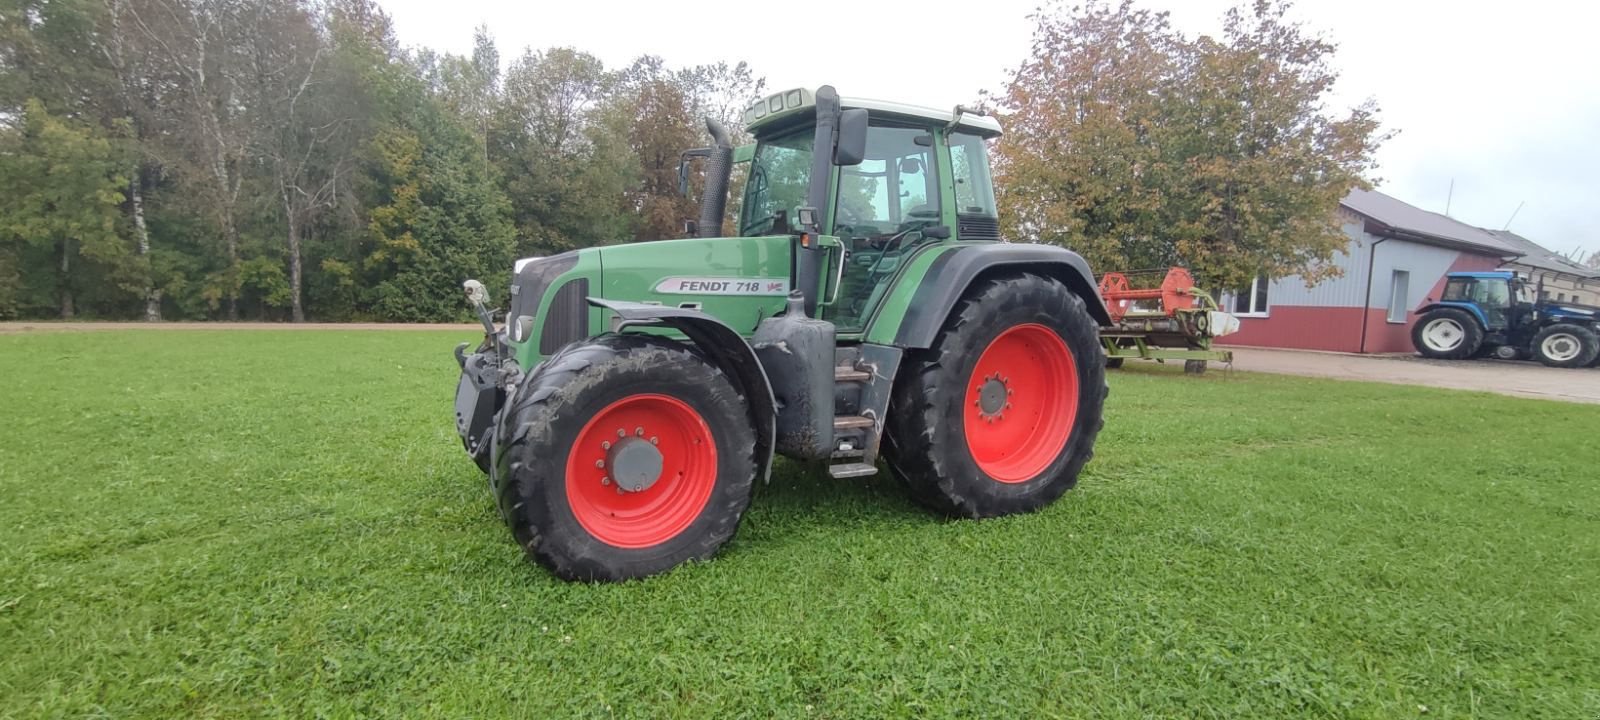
x: 719, y: 168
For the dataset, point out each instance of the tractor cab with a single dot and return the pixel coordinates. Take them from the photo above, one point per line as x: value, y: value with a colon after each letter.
x: 1495, y: 297
x: 901, y: 177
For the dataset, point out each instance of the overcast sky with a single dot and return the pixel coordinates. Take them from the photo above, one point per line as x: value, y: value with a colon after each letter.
x: 1502, y: 98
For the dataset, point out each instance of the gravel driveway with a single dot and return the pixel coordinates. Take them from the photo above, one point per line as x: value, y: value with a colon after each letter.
x: 1521, y: 379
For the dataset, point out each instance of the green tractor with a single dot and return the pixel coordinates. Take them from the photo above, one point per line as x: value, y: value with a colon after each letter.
x: 867, y: 309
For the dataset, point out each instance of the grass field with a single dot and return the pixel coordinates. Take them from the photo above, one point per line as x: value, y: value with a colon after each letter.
x: 282, y: 523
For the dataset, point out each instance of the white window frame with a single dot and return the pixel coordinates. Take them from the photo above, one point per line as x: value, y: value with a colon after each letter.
x: 1399, y: 292
x: 1256, y: 286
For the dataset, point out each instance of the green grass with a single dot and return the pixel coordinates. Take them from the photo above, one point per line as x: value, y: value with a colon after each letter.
x: 282, y: 523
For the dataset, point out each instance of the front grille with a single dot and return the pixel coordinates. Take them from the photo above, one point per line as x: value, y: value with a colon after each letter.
x: 977, y: 227
x: 565, y: 319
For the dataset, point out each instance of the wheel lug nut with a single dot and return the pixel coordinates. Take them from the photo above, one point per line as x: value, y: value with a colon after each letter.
x: 599, y: 463
x: 621, y: 432
x: 619, y: 490
x: 605, y: 444
x: 639, y: 431
x: 605, y: 480
x: 655, y: 441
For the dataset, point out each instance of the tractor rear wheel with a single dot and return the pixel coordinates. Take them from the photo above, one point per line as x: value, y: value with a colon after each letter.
x: 627, y: 455
x: 1565, y: 345
x: 1447, y: 334
x: 1001, y: 414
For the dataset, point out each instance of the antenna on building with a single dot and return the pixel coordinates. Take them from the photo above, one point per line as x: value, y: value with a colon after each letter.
x: 1448, y: 196
x: 1513, y: 215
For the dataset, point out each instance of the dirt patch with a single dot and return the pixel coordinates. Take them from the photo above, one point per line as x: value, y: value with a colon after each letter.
x: 1520, y: 379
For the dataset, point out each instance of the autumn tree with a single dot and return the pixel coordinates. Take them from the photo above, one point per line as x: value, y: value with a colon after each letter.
x: 1141, y: 147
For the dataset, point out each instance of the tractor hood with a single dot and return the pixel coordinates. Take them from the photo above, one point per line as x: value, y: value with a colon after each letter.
x: 1568, y: 311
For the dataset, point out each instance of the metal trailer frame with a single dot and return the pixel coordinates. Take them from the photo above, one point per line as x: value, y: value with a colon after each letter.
x: 1137, y: 336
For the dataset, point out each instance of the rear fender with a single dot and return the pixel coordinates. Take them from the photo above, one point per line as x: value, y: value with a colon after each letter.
x: 721, y: 345
x: 929, y: 298
x: 1474, y: 310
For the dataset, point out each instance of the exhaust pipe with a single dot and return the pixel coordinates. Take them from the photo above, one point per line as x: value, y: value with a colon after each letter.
x: 719, y: 168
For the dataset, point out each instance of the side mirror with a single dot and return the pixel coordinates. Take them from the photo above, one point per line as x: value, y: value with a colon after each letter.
x: 683, y: 167
x: 852, y: 146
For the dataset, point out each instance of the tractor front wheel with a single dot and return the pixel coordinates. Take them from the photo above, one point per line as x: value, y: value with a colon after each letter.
x: 1001, y: 414
x: 1565, y: 345
x: 1447, y: 334
x: 628, y: 455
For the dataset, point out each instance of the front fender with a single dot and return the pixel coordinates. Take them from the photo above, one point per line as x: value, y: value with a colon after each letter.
x: 721, y: 345
x: 920, y: 302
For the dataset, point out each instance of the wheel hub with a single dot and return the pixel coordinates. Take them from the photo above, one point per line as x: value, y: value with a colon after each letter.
x: 635, y: 464
x: 1020, y: 403
x: 1561, y: 347
x: 992, y: 395
x: 1443, y: 334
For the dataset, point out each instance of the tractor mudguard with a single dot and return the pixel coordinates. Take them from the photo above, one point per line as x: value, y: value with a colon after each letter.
x: 952, y: 272
x: 721, y: 345
x: 1477, y: 312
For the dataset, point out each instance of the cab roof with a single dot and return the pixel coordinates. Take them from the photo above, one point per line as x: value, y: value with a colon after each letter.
x: 1491, y: 275
x: 792, y: 107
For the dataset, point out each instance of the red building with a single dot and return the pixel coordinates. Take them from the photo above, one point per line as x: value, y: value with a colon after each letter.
x: 1396, y: 262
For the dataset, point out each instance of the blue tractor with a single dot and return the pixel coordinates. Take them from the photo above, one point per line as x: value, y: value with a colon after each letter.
x: 1497, y: 314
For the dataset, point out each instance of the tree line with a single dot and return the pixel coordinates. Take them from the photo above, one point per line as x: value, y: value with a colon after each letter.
x: 288, y: 159
x: 291, y: 160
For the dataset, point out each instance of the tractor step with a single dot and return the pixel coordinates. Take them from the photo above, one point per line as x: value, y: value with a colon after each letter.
x: 852, y: 470
x: 851, y: 422
x: 850, y: 374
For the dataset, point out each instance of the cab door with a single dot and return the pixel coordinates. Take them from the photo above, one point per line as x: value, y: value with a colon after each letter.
x: 884, y: 209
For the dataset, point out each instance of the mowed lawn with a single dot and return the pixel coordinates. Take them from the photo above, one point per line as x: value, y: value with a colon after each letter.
x: 232, y: 524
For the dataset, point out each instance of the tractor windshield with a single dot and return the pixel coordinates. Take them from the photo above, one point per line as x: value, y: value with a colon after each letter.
x: 779, y: 177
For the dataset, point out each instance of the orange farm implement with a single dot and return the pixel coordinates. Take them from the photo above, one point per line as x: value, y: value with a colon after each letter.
x: 1171, y: 321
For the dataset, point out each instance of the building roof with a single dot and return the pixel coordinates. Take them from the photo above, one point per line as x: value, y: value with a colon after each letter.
x: 1537, y: 256
x: 1389, y: 217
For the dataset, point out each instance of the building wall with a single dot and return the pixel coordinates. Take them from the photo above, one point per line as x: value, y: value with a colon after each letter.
x: 1562, y: 287
x: 1332, y: 314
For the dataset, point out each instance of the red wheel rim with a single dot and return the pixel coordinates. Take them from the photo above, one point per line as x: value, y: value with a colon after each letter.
x: 655, y: 514
x: 1021, y: 402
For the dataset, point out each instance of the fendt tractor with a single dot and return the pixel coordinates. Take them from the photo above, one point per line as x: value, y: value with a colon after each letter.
x: 635, y: 394
x: 1498, y: 314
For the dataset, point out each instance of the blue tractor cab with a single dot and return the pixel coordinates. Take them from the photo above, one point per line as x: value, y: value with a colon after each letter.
x: 1497, y: 313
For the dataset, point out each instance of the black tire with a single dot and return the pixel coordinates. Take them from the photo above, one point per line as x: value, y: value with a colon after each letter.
x: 1454, y: 323
x: 1113, y: 363
x: 927, y: 442
x: 557, y: 404
x: 1194, y: 367
x: 1565, y: 345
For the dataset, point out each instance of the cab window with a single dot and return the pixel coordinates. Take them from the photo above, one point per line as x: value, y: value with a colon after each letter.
x: 892, y: 189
